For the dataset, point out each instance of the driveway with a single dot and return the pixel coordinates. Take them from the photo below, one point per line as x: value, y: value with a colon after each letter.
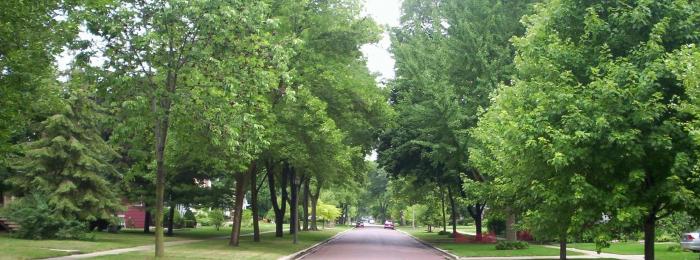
x: 374, y: 242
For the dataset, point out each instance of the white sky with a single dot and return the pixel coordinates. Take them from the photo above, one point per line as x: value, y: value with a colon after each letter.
x: 386, y: 13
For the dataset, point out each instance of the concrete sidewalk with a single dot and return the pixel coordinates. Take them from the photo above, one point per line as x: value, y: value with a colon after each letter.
x: 138, y: 248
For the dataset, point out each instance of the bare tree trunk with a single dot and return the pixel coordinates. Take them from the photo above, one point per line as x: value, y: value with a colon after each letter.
x: 477, y: 213
x: 444, y: 213
x: 279, y: 208
x: 454, y: 210
x: 171, y: 219
x: 238, y: 209
x: 314, y: 204
x: 511, y: 234
x: 294, y: 216
x: 562, y: 246
x: 146, y: 220
x: 305, y: 204
x: 254, y: 201
x: 649, y: 234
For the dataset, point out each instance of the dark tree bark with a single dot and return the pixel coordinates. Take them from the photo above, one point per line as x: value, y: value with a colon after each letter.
x: 160, y: 106
x: 314, y: 204
x: 146, y: 220
x: 477, y: 213
x: 171, y: 219
x: 254, y: 201
x: 454, y: 210
x: 444, y: 213
x: 305, y: 204
x: 562, y: 246
x: 294, y: 213
x: 238, y: 209
x: 279, y: 208
x: 649, y: 234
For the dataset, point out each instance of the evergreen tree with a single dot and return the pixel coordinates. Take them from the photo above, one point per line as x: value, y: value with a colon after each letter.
x: 70, y: 162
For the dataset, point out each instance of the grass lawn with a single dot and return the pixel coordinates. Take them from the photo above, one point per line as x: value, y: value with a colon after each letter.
x: 636, y: 248
x: 270, y: 247
x: 467, y: 250
x: 13, y: 248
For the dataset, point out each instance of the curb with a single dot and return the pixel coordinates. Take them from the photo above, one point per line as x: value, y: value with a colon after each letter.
x: 447, y: 254
x: 300, y: 254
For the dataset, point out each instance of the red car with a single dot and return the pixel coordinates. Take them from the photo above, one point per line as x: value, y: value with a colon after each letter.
x: 388, y: 224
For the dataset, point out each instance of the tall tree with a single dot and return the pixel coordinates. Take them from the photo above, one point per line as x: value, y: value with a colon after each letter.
x: 71, y: 163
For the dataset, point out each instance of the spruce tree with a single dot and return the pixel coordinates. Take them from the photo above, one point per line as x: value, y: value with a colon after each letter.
x: 70, y: 162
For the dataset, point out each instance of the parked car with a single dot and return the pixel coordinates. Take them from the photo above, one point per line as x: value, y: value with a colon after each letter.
x: 360, y: 224
x: 389, y: 224
x: 691, y: 241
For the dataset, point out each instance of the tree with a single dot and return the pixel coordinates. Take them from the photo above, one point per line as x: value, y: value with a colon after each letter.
x: 70, y: 163
x: 594, y: 110
x: 180, y: 49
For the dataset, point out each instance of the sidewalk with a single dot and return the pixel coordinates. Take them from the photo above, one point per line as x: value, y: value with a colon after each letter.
x: 138, y: 248
x: 587, y: 254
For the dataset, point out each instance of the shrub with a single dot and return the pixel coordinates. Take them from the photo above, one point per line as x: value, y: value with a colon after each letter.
x: 189, y: 219
x: 39, y: 220
x: 511, y: 245
x: 442, y: 233
x: 202, y: 217
x: 217, y: 218
x: 496, y: 225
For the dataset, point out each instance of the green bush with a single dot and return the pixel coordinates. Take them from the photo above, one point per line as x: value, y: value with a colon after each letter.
x: 496, y: 225
x: 217, y: 218
x: 442, y: 233
x: 189, y: 219
x: 38, y: 220
x: 202, y: 217
x: 512, y: 245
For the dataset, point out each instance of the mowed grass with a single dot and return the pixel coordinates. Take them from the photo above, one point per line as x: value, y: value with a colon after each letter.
x: 468, y: 250
x: 13, y: 248
x: 270, y: 247
x: 661, y: 251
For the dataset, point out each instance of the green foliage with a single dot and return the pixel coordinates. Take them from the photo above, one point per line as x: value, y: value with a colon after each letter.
x: 217, y: 218
x: 512, y: 245
x: 247, y: 218
x: 39, y: 219
x: 189, y: 219
x: 496, y: 225
x: 70, y: 163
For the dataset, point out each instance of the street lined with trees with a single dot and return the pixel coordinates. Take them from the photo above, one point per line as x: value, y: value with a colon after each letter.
x: 557, y: 121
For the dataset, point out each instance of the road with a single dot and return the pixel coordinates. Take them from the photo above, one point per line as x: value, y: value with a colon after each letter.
x: 374, y: 242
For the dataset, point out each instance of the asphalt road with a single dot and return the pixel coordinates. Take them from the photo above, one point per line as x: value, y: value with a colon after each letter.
x: 374, y: 243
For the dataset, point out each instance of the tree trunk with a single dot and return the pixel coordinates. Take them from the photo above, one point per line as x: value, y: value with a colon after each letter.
x: 171, y: 219
x: 511, y: 234
x: 444, y: 213
x: 562, y: 246
x: 160, y: 107
x: 294, y: 216
x: 305, y: 204
x: 413, y: 217
x: 314, y: 204
x: 279, y: 210
x: 238, y: 209
x: 146, y: 220
x: 254, y: 201
x: 454, y: 210
x: 649, y: 235
x: 477, y: 213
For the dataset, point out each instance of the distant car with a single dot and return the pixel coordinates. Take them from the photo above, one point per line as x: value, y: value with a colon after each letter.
x: 388, y: 224
x: 691, y: 241
x: 360, y: 224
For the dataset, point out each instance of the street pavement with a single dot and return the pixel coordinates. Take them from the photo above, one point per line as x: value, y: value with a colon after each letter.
x: 374, y: 242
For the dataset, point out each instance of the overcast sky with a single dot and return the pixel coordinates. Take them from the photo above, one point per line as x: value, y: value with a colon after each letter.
x: 386, y: 13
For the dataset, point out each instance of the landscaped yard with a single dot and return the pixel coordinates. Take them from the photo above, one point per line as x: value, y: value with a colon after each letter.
x: 30, y: 249
x: 636, y: 248
x: 464, y: 249
x: 270, y: 247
